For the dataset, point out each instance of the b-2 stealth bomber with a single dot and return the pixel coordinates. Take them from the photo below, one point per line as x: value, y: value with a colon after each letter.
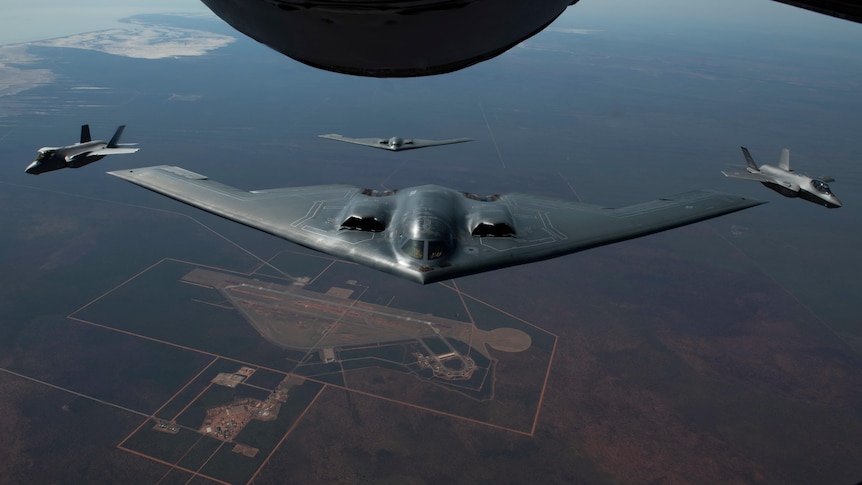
x: 787, y: 182
x: 431, y: 233
x: 396, y: 143
x: 82, y: 153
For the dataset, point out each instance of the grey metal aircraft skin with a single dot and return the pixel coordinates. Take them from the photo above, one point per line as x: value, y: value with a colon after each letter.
x: 85, y: 152
x: 396, y: 143
x: 431, y: 233
x: 787, y: 182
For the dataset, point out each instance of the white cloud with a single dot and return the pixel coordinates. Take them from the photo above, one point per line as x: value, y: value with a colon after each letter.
x: 144, y: 42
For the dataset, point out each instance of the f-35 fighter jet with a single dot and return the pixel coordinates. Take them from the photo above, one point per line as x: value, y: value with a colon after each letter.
x: 431, y: 233
x: 82, y: 153
x: 787, y: 182
x: 395, y: 143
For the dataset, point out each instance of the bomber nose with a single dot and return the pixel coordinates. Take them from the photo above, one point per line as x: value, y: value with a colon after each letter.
x: 33, y: 168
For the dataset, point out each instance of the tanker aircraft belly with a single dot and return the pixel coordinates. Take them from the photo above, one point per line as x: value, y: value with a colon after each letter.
x: 431, y: 233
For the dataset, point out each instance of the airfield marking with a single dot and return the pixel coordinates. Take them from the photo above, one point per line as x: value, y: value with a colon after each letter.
x: 544, y: 387
x: 570, y: 186
x: 321, y: 273
x: 163, y: 462
x: 263, y: 265
x: 335, y: 323
x: 243, y: 383
x: 186, y: 385
x: 224, y: 307
x: 550, y: 359
x: 788, y: 292
x: 315, y: 380
x: 289, y: 430
x: 139, y: 273
x: 311, y: 379
x: 196, y: 284
x: 493, y: 140
x: 504, y: 312
x: 283, y: 372
x: 123, y: 408
x: 153, y: 416
x: 79, y: 394
x: 192, y: 401
x: 461, y: 297
x: 426, y: 409
x: 469, y: 315
x: 198, y: 472
x: 181, y: 458
x: 391, y: 174
x: 179, y: 346
x: 110, y: 404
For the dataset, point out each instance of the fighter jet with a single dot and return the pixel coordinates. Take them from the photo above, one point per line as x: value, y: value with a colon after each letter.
x: 787, y: 182
x: 395, y: 143
x: 82, y: 153
x: 431, y: 233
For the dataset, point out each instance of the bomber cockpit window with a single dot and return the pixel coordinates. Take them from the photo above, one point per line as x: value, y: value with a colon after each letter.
x: 820, y: 186
x: 425, y: 250
x: 414, y: 248
x: 436, y: 249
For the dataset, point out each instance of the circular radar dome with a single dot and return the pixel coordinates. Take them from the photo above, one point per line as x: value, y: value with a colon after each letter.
x: 389, y: 38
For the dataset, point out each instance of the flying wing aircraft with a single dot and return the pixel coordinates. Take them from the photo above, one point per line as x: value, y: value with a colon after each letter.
x: 396, y: 143
x: 787, y: 182
x: 432, y: 233
x: 82, y: 153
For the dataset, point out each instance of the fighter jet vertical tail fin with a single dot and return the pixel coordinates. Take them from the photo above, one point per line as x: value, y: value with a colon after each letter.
x: 784, y: 161
x: 85, y: 134
x: 749, y: 160
x: 116, y: 138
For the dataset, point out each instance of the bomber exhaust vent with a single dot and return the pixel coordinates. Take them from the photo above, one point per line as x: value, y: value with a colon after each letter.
x: 366, y: 224
x: 500, y: 229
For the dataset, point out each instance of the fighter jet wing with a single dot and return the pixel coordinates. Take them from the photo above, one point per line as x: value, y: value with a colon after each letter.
x: 113, y: 151
x: 747, y: 176
x: 487, y: 233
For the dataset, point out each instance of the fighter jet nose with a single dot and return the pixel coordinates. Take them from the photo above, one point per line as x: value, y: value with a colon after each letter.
x: 32, y: 169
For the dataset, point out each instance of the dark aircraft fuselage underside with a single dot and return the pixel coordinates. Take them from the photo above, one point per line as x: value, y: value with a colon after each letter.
x: 389, y: 38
